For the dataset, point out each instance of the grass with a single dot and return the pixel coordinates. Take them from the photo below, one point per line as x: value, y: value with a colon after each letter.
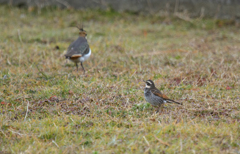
x: 48, y: 107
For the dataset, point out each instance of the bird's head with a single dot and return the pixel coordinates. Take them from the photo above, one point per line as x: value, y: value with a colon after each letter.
x: 149, y: 84
x: 82, y: 32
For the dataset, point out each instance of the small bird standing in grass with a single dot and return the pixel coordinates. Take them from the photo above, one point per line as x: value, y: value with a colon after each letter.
x: 154, y: 96
x: 79, y: 50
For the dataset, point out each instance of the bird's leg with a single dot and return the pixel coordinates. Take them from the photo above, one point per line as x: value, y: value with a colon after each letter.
x: 82, y: 67
x: 77, y: 66
x: 160, y: 108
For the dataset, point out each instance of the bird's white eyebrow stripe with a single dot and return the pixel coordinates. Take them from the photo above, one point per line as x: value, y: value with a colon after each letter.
x: 149, y: 82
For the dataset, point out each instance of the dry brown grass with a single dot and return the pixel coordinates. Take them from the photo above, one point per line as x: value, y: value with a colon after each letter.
x: 48, y: 107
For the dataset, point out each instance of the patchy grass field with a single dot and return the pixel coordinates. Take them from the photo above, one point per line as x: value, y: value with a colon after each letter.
x: 48, y: 107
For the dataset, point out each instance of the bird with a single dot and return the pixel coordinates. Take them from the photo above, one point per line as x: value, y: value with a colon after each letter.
x: 79, y: 50
x: 154, y: 96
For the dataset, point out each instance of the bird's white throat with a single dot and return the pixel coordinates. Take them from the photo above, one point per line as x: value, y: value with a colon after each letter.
x: 147, y: 86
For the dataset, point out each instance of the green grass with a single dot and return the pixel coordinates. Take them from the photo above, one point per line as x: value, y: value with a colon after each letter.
x: 48, y: 107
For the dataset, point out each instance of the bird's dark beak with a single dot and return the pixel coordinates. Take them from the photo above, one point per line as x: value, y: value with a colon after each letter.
x: 144, y: 81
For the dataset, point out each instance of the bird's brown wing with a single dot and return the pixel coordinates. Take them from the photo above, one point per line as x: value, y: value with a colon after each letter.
x: 158, y: 93
x: 164, y: 96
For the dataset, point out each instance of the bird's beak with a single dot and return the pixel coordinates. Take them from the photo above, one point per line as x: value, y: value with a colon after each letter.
x: 144, y: 81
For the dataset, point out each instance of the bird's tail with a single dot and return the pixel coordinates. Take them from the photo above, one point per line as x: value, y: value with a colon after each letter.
x: 172, y: 101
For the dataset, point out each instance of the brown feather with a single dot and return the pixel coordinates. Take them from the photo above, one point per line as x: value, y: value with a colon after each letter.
x: 158, y: 93
x: 76, y: 56
x: 164, y: 96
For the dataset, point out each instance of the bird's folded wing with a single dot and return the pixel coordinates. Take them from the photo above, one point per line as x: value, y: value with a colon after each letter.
x: 84, y: 48
x: 77, y: 48
x: 158, y: 93
x: 164, y: 96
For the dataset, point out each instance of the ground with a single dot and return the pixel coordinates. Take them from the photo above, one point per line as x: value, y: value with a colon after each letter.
x: 48, y: 107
